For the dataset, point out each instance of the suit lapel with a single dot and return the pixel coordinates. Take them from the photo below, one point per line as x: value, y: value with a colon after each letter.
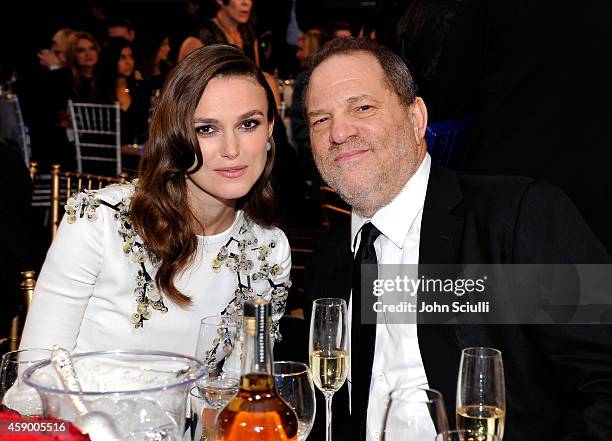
x: 441, y: 236
x: 441, y: 231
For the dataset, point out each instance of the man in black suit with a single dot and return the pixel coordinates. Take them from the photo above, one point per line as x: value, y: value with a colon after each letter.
x: 367, y: 130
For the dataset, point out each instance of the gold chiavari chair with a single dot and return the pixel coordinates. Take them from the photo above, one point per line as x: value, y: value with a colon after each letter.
x: 28, y: 283
x: 33, y: 169
x: 65, y: 184
x: 335, y: 210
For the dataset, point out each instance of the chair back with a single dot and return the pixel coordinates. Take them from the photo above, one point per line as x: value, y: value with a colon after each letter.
x: 446, y: 139
x: 28, y: 283
x: 335, y: 210
x: 65, y: 184
x: 97, y: 137
x: 12, y: 125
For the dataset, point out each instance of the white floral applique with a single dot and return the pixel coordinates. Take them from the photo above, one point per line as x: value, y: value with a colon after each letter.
x: 234, y: 255
x: 80, y: 205
x: 148, y: 297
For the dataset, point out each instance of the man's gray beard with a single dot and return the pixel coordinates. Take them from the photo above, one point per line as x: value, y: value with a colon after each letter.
x: 366, y: 202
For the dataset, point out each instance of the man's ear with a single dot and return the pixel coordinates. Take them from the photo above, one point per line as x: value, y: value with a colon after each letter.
x: 418, y: 113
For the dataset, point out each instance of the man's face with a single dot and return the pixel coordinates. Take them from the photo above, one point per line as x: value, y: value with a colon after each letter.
x: 365, y: 141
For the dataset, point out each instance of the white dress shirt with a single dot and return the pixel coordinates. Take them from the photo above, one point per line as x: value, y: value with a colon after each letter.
x: 85, y: 294
x: 397, y: 358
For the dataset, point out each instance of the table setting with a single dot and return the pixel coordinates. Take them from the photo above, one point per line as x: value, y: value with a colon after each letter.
x: 163, y: 396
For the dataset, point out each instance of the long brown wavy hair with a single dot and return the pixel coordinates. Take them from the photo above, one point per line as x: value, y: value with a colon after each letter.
x: 160, y: 209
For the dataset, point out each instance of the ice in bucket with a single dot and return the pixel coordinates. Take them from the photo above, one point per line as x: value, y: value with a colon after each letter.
x: 143, y: 393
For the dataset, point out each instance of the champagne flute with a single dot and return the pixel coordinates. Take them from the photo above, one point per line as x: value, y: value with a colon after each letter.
x: 13, y: 392
x: 293, y: 383
x: 466, y: 435
x: 329, y: 359
x: 415, y: 413
x: 220, y: 347
x: 481, y: 393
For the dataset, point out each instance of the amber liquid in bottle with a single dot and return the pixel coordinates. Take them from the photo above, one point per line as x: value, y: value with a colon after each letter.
x: 257, y: 413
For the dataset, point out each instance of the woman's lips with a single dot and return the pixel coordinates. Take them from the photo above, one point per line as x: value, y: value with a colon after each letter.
x: 350, y: 155
x: 232, y: 172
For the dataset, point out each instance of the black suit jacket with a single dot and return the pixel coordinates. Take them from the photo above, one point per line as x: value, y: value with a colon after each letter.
x: 558, y: 377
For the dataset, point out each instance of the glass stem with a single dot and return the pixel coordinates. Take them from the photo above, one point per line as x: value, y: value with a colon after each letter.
x: 328, y: 417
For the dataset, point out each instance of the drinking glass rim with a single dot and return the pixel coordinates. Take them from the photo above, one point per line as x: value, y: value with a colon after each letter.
x: 338, y: 300
x: 201, y: 372
x: 229, y: 318
x: 299, y: 363
x: 492, y: 352
x: 438, y: 395
x: 17, y: 351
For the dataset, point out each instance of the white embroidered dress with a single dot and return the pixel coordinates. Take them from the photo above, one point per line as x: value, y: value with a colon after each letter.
x: 92, y: 293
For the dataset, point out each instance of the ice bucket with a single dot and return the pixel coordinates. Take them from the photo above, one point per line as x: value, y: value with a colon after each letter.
x: 143, y: 392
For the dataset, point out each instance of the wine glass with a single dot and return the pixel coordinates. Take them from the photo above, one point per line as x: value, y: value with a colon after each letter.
x: 481, y: 393
x: 13, y: 392
x: 329, y: 359
x: 415, y: 413
x: 293, y: 383
x: 466, y: 435
x: 220, y: 347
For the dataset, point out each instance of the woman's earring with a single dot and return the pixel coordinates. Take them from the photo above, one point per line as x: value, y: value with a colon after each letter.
x: 268, y: 146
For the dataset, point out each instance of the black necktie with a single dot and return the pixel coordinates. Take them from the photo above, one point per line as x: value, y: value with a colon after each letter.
x: 362, y: 336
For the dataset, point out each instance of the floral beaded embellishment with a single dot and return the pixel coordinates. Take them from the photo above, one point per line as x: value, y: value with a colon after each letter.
x: 148, y: 297
x: 82, y: 204
x: 248, y: 271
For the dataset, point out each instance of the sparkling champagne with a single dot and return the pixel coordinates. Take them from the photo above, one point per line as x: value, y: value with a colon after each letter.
x: 329, y: 369
x: 481, y: 419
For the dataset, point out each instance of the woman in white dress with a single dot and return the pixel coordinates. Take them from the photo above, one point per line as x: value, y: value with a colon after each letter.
x: 136, y: 266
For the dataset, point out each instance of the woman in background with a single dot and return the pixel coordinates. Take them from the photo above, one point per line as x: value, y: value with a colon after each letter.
x: 82, y: 54
x: 117, y: 83
x: 230, y: 25
x: 156, y: 64
x: 136, y: 266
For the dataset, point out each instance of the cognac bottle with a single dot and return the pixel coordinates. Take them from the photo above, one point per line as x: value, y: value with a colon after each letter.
x: 257, y: 413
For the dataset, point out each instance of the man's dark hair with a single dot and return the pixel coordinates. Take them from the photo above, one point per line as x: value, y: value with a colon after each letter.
x: 120, y: 22
x: 397, y: 75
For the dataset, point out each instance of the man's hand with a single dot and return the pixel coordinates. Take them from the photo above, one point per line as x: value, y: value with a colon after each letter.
x: 48, y: 59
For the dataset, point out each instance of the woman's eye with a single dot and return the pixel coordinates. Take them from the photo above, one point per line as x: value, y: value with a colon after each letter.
x: 250, y: 124
x: 204, y: 130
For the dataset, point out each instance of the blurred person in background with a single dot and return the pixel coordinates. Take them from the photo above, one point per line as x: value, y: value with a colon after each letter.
x: 55, y: 57
x: 121, y: 27
x: 230, y: 25
x: 299, y: 126
x: 307, y: 45
x: 118, y: 83
x: 82, y: 54
x: 15, y: 252
x: 156, y: 63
